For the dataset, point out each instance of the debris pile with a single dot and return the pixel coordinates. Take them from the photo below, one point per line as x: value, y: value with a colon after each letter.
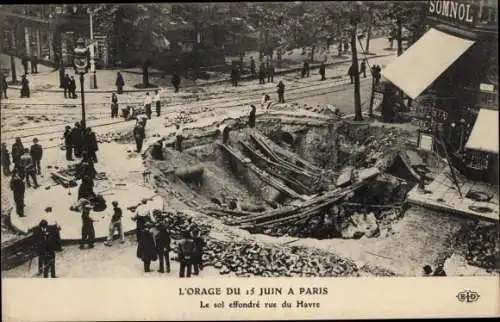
x: 483, y: 245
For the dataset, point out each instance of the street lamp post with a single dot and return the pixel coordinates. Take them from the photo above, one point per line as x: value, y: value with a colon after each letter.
x: 81, y: 62
x: 93, y: 77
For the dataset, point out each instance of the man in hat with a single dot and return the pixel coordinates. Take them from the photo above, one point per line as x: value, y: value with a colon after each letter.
x: 88, y: 232
x: 5, y: 159
x: 252, y: 66
x: 18, y: 188
x: 362, y: 68
x: 36, y: 152
x: 176, y: 81
x: 262, y: 73
x: 72, y: 87
x: 147, y: 105
x: 90, y: 144
x: 3, y: 86
x: 322, y: 71
x: 27, y: 167
x: 116, y: 223
x: 439, y: 271
x: 34, y: 64
x: 185, y: 251
x: 47, y: 241
x: 25, y: 87
x: 270, y: 72
x: 251, y: 116
x: 281, y: 92
x: 67, y: 86
x: 198, y: 251
x: 77, y: 139
x: 139, y: 135
x: 163, y: 246
x: 17, y: 151
x: 157, y: 100
x: 68, y: 143
x: 178, y: 137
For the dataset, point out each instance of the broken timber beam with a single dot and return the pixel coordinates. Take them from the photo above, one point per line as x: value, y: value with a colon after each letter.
x: 264, y: 176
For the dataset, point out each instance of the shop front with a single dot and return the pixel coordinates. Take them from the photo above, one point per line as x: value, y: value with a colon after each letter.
x: 447, y: 72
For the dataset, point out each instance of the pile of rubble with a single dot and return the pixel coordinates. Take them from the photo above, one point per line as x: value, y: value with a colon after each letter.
x: 249, y: 258
x: 483, y: 245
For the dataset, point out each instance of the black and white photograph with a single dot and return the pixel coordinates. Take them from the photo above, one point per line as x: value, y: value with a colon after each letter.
x: 298, y: 139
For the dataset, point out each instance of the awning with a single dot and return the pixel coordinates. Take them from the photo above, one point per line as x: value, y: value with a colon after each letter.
x: 424, y: 61
x: 484, y: 135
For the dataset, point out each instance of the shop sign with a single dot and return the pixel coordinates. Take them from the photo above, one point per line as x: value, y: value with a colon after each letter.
x: 434, y: 113
x: 461, y: 12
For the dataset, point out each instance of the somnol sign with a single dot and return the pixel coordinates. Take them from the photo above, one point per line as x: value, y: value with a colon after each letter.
x: 456, y: 11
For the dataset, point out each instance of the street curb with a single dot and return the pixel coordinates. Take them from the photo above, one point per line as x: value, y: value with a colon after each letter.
x: 282, y: 72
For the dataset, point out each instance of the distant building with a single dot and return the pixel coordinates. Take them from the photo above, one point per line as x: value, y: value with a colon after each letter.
x: 456, y: 63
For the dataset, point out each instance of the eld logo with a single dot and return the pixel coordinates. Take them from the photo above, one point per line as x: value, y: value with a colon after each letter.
x: 468, y: 296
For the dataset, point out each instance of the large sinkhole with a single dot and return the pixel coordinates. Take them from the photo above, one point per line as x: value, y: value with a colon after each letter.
x: 302, y: 178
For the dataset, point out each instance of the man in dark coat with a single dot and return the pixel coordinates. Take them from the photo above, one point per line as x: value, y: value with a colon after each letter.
x: 262, y: 73
x: 234, y: 76
x: 5, y: 159
x: 67, y: 86
x: 24, y: 62
x: 36, y: 152
x: 34, y: 64
x: 17, y: 151
x: 362, y: 69
x: 146, y: 249
x: 163, y: 247
x: 119, y: 83
x: 88, y: 231
x: 86, y: 168
x: 90, y: 144
x: 176, y: 81
x: 115, y: 224
x: 305, y: 69
x: 68, y: 143
x: 281, y: 92
x: 18, y: 188
x: 48, y: 241
x: 72, y: 87
x: 25, y: 88
x: 198, y: 252
x: 270, y: 72
x: 27, y: 168
x: 139, y: 135
x: 322, y: 71
x: 86, y: 189
x: 185, y: 251
x: 439, y: 271
x: 251, y: 116
x: 3, y: 86
x: 351, y: 73
x: 77, y: 139
x: 252, y: 66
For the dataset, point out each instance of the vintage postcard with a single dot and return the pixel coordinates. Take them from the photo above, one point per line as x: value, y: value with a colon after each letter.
x: 249, y: 160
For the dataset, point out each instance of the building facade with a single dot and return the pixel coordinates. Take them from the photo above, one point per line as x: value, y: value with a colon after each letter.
x: 47, y: 31
x: 454, y: 66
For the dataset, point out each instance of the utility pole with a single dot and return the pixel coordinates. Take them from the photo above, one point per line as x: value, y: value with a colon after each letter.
x: 355, y: 18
